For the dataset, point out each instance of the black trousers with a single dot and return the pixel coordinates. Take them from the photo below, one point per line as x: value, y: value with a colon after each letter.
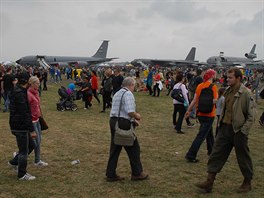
x: 156, y: 90
x: 262, y: 118
x: 133, y: 153
x: 178, y: 108
x: 95, y: 95
x: 45, y: 85
x: 149, y: 89
x: 106, y: 99
x: 87, y: 99
x: 25, y: 146
x: 226, y: 139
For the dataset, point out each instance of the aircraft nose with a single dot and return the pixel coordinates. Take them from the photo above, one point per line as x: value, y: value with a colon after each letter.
x: 19, y: 61
x: 209, y: 60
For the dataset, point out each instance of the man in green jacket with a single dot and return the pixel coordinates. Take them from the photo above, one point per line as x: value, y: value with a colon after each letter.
x: 235, y: 122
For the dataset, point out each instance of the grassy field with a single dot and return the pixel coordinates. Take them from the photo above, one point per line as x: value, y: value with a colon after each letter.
x: 85, y: 135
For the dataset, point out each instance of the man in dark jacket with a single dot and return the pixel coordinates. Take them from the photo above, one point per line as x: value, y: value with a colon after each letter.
x: 8, y: 85
x: 117, y: 80
x: 21, y: 126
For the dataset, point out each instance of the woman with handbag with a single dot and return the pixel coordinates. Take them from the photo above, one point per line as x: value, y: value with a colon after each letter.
x: 34, y: 103
x: 179, y: 105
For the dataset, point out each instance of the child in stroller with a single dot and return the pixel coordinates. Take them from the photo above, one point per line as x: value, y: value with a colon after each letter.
x: 67, y: 97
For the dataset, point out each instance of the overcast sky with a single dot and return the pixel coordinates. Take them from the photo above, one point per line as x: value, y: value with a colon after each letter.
x: 165, y: 29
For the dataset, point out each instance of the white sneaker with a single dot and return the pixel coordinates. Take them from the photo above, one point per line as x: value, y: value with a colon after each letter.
x: 27, y: 176
x: 14, y: 154
x: 14, y: 167
x: 41, y: 163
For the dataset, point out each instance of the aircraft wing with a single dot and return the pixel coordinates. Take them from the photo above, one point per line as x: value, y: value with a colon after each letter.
x: 172, y: 62
x: 93, y: 62
x: 82, y: 62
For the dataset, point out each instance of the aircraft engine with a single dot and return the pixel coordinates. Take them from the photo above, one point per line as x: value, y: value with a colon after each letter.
x: 250, y: 55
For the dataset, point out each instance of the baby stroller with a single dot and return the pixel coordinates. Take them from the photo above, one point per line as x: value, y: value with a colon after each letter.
x: 66, y: 101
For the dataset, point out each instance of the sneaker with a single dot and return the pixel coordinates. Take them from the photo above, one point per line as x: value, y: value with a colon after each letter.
x: 14, y: 167
x: 114, y: 179
x: 41, y: 163
x: 27, y: 177
x: 190, y: 125
x: 180, y: 132
x: 191, y: 160
x: 14, y: 154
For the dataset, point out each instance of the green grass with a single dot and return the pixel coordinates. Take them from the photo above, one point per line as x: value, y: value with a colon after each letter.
x: 85, y: 135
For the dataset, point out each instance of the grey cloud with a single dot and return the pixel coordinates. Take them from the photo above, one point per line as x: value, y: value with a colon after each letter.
x: 245, y: 27
x: 117, y: 16
x: 180, y: 11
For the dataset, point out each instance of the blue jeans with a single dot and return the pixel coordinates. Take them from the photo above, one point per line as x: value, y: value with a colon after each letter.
x: 37, y: 129
x: 7, y: 100
x: 205, y: 132
x: 25, y: 147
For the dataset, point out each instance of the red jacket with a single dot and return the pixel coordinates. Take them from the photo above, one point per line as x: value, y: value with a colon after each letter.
x: 94, y: 82
x: 34, y: 103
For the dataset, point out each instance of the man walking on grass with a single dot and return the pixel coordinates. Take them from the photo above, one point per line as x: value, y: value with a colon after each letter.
x: 235, y: 122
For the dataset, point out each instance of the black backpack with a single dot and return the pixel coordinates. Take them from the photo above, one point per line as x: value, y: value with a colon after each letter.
x: 206, y: 100
x: 177, y: 94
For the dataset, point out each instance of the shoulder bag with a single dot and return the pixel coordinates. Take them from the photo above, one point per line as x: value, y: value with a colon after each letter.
x: 123, y: 137
x: 43, y: 124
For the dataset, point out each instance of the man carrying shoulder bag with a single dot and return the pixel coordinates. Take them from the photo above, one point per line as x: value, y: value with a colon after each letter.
x: 124, y: 112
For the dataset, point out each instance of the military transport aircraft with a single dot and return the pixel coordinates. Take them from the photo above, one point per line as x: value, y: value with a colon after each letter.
x: 223, y: 61
x: 189, y: 61
x: 47, y: 61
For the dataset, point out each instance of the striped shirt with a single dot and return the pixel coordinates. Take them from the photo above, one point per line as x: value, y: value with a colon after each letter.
x: 128, y: 104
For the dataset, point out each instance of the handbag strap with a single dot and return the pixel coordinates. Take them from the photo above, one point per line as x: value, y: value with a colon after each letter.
x: 121, y: 104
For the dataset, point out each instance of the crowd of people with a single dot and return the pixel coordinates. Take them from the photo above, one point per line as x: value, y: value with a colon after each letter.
x: 226, y: 95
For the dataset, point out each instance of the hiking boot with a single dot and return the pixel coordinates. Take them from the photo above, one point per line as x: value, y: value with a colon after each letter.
x: 41, y: 164
x: 245, y: 186
x: 142, y: 176
x: 208, y: 184
x: 27, y: 177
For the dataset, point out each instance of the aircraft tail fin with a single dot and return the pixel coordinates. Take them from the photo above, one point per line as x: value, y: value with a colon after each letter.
x: 191, y: 55
x: 252, y: 51
x: 102, y: 51
x: 251, y: 54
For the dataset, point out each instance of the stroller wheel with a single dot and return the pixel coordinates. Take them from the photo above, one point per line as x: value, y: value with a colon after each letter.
x: 60, y: 108
x: 74, y: 107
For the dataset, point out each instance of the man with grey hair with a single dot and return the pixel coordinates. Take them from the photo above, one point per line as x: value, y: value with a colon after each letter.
x: 126, y: 115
